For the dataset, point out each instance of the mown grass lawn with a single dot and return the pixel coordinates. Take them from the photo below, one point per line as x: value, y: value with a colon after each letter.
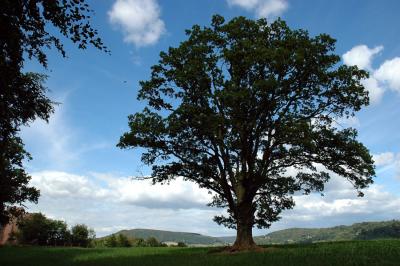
x: 382, y: 252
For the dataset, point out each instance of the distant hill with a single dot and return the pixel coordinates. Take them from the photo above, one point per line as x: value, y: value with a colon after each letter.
x: 169, y: 236
x: 357, y: 231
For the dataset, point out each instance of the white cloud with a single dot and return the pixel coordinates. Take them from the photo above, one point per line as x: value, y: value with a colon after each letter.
x: 179, y: 194
x: 361, y: 56
x: 139, y: 20
x: 60, y: 184
x: 247, y: 4
x: 375, y: 91
x: 375, y: 201
x: 262, y: 8
x: 340, y: 206
x: 383, y: 159
x: 126, y: 190
x: 386, y: 76
x: 389, y: 73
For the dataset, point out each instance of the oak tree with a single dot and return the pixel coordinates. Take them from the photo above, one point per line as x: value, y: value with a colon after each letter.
x: 247, y: 109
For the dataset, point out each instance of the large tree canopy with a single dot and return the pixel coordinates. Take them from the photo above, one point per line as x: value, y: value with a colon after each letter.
x: 25, y: 33
x: 239, y: 104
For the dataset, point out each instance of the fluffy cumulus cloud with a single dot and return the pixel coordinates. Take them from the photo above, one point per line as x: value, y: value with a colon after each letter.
x: 124, y: 190
x: 178, y: 195
x: 139, y: 20
x: 361, y: 56
x: 389, y: 73
x: 386, y: 76
x: 342, y: 206
x: 375, y: 91
x: 58, y: 184
x: 262, y: 8
x: 109, y: 203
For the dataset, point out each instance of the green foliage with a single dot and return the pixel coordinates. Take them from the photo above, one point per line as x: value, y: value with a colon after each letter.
x: 153, y: 242
x: 33, y: 31
x: 39, y: 230
x: 22, y: 99
x: 82, y: 235
x: 139, y: 242
x: 371, y: 253
x: 238, y: 104
x: 25, y: 33
x: 111, y: 241
x: 34, y: 229
x: 164, y: 236
x: 181, y: 245
x: 382, y: 230
x: 59, y: 235
x: 123, y: 241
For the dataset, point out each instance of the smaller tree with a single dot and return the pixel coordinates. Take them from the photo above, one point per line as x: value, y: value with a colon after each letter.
x: 58, y: 234
x: 92, y: 237
x: 139, y: 242
x: 111, y: 241
x: 34, y: 229
x: 123, y: 241
x: 181, y: 244
x: 37, y: 229
x: 80, y: 235
x: 153, y: 242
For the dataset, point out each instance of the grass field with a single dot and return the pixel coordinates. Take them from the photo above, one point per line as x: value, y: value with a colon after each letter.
x: 380, y: 252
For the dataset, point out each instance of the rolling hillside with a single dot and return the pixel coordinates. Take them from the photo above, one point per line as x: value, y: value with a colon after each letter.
x: 358, y: 231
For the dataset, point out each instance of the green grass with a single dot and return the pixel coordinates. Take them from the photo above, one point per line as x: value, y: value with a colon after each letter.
x: 379, y: 252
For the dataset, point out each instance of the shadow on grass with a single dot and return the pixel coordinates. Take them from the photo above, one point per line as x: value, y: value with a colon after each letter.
x: 43, y: 256
x: 383, y: 252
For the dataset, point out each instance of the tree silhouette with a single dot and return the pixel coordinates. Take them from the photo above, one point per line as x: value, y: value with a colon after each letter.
x: 247, y: 110
x: 25, y: 33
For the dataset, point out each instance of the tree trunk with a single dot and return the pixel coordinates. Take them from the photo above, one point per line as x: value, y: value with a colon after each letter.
x: 244, y: 230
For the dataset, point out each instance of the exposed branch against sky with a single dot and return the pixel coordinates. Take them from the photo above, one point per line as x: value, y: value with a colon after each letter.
x: 85, y: 178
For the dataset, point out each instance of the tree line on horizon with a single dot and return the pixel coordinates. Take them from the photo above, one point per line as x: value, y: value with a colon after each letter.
x: 120, y: 240
x: 38, y: 230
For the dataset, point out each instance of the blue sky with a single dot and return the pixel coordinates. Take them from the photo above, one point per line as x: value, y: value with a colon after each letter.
x: 85, y: 178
